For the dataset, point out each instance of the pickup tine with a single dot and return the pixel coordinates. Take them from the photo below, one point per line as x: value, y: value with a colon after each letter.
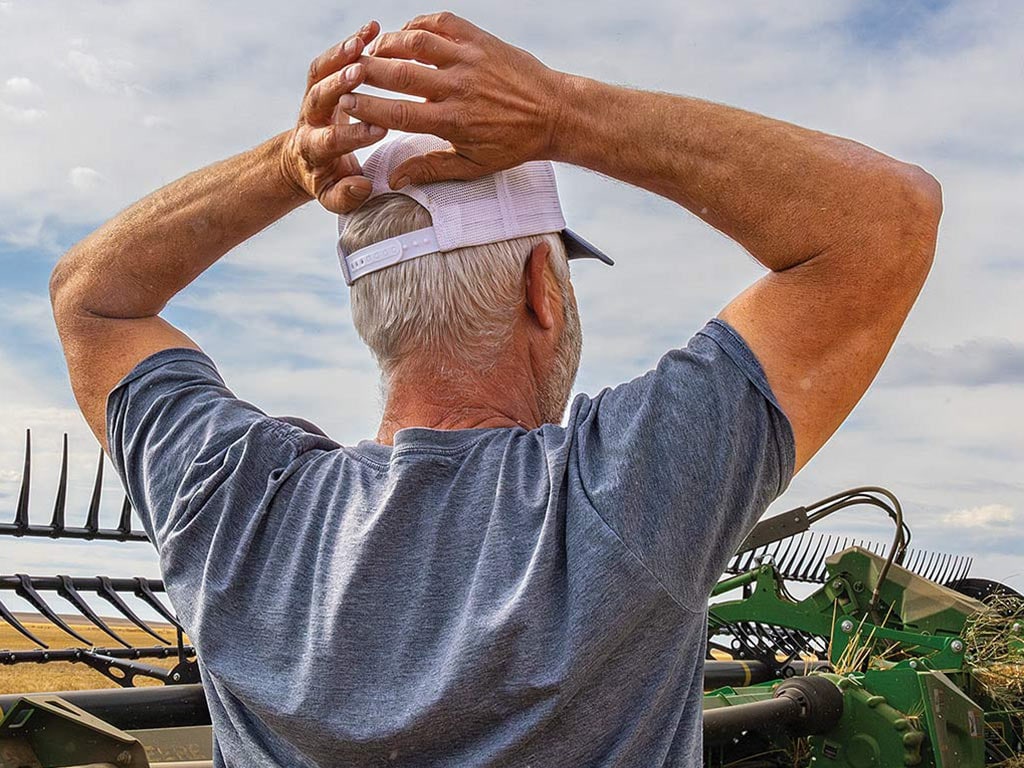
x: 68, y: 592
x: 107, y: 592
x: 26, y: 591
x: 59, y: 505
x: 11, y: 619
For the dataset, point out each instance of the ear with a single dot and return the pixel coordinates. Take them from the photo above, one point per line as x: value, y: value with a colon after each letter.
x: 540, y: 296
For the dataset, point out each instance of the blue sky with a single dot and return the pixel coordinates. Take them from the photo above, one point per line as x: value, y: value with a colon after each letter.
x: 102, y: 101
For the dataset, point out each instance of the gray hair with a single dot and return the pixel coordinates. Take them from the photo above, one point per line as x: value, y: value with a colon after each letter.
x: 457, y: 307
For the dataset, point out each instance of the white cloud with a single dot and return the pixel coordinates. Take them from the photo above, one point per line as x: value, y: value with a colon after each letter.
x: 20, y: 86
x: 21, y: 114
x: 986, y: 516
x: 84, y: 179
x: 105, y: 75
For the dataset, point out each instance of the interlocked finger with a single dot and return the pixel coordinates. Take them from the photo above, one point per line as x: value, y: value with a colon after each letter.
x: 403, y: 77
x: 416, y: 45
x: 320, y: 146
x: 322, y: 98
x: 445, y: 23
x: 412, y: 116
x: 337, y: 56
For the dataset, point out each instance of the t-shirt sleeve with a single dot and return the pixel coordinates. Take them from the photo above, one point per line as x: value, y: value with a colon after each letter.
x: 682, y: 461
x: 199, y: 465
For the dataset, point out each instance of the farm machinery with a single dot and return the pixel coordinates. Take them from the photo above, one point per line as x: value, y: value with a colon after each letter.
x: 822, y: 651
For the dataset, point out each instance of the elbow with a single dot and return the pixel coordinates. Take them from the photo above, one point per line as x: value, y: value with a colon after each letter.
x: 62, y: 298
x: 909, y: 215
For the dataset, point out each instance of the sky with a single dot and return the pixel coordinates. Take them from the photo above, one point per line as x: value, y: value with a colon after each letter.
x: 102, y: 101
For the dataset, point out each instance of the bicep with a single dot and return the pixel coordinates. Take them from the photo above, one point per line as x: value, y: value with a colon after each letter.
x: 101, y: 351
x: 821, y: 331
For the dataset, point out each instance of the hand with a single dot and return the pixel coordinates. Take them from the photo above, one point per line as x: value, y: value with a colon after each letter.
x: 317, y: 157
x: 495, y: 103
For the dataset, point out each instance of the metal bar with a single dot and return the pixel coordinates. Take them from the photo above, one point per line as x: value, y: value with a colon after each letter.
x: 45, y: 531
x: 82, y: 583
x: 39, y: 656
x: 137, y: 708
x: 59, y: 504
x: 27, y: 592
x: 68, y: 592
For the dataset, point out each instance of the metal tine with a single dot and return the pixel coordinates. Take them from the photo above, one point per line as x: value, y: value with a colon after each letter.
x: 11, y: 619
x: 795, y: 557
x: 951, y: 568
x: 968, y: 562
x: 28, y: 592
x: 913, y: 560
x: 830, y: 549
x: 59, y: 504
x: 928, y: 566
x: 68, y: 592
x: 784, y: 559
x: 124, y: 524
x: 21, y: 511
x: 143, y: 591
x: 943, y: 568
x: 108, y: 593
x: 92, y: 520
x: 813, y: 561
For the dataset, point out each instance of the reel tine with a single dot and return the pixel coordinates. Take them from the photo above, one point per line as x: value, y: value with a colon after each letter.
x: 11, y: 619
x: 59, y: 504
x: 929, y: 566
x: 68, y: 592
x: 27, y: 591
x: 143, y: 590
x: 940, y: 577
x: 124, y: 524
x: 108, y: 593
x: 21, y: 510
x: 92, y: 520
x: 968, y: 562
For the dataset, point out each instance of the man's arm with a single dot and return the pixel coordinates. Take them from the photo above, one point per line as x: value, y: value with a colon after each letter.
x: 848, y: 233
x: 109, y: 289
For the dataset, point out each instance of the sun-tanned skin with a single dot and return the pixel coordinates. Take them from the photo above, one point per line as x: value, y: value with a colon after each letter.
x: 848, y: 234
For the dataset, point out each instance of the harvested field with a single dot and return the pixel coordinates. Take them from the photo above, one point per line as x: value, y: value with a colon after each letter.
x: 66, y: 676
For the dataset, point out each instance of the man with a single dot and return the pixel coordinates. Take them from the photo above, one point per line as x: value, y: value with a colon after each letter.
x: 480, y: 586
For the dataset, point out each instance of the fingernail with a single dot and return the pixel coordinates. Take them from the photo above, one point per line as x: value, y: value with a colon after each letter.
x: 377, y: 131
x: 360, y: 193
x: 402, y: 182
x: 347, y: 101
x: 350, y: 44
x: 353, y: 72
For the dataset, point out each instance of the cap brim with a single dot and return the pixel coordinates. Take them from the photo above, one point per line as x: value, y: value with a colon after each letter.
x: 578, y: 248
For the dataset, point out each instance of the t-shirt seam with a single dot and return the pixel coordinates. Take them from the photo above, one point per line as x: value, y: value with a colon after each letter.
x: 633, y: 554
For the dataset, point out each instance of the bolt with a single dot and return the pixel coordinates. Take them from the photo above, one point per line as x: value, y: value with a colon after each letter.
x: 913, y: 663
x: 957, y: 646
x: 837, y: 584
x: 846, y: 626
x: 176, y: 677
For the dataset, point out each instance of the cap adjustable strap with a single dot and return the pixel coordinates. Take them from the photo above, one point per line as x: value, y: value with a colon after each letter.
x: 388, y: 252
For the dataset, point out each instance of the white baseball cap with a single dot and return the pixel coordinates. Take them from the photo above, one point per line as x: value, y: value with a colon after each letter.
x: 517, y: 202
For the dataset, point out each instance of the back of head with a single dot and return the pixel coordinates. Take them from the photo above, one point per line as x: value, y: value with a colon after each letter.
x: 455, y: 309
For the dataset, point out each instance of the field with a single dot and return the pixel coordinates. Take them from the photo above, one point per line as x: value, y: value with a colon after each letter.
x: 65, y: 676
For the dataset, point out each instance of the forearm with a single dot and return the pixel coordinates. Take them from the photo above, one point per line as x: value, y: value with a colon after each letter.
x: 784, y: 192
x: 132, y: 265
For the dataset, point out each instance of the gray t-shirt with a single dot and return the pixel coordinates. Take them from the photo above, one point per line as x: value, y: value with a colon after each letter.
x: 480, y: 597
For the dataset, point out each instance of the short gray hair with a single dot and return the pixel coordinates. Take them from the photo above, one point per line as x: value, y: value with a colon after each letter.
x: 458, y: 306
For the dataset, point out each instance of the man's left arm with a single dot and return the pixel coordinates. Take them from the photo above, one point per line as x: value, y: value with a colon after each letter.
x: 108, y: 290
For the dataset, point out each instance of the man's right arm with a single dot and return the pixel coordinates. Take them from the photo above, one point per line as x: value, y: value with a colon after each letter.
x: 847, y: 233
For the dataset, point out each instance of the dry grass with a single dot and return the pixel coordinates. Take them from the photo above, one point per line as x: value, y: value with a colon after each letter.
x: 66, y: 676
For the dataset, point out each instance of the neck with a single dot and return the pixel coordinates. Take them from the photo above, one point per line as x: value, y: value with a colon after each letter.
x: 438, y: 396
